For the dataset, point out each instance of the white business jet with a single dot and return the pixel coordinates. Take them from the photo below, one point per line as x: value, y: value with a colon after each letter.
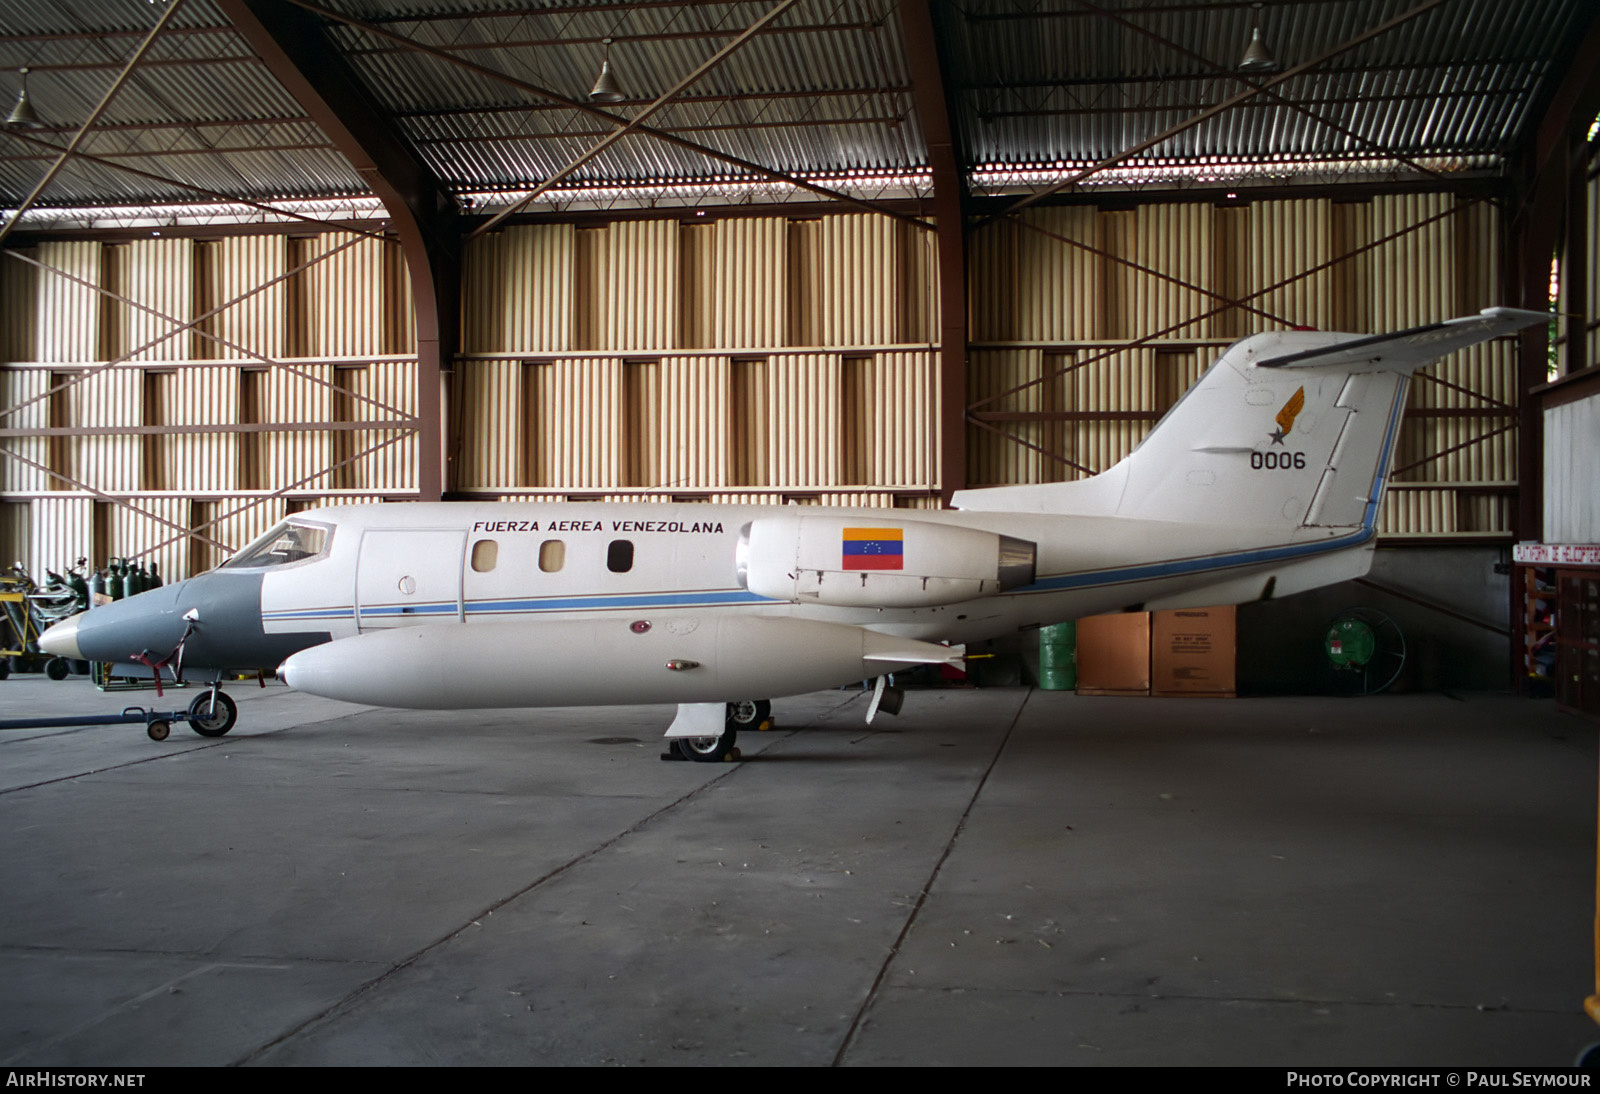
x: 1264, y: 480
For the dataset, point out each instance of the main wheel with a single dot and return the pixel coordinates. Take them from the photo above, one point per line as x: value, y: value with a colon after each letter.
x: 708, y: 750
x: 749, y: 713
x: 212, y: 722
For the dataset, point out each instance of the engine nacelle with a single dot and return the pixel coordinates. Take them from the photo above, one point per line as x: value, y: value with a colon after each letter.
x: 871, y: 562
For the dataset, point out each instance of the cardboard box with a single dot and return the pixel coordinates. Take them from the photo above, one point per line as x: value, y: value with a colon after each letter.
x: 1193, y: 652
x: 1114, y: 654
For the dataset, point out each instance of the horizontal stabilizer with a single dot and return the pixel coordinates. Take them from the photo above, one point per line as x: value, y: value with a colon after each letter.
x: 1409, y: 350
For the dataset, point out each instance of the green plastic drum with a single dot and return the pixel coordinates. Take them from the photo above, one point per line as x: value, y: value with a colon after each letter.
x: 1058, y: 656
x: 1350, y: 643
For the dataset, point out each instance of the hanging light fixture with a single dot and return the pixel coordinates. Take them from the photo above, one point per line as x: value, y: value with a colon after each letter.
x: 605, y: 89
x: 22, y: 115
x: 1257, y: 57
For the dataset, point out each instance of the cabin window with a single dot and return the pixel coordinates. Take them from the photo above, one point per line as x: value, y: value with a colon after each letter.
x: 552, y: 555
x: 619, y: 556
x: 485, y: 554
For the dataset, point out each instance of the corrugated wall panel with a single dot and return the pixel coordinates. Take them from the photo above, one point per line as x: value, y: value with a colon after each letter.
x: 1418, y: 512
x: 642, y: 285
x: 110, y: 398
x: 1174, y: 243
x: 517, y: 291
x: 1126, y: 381
x: 1062, y: 303
x: 1572, y: 472
x: 748, y: 451
x: 61, y: 532
x: 19, y: 306
x: 68, y: 315
x: 995, y: 296
x: 574, y: 423
x: 390, y: 467
x: 235, y: 266
x: 857, y: 499
x: 697, y: 285
x: 1230, y: 274
x: 399, y: 333
x: 860, y: 280
x: 591, y: 285
x: 206, y: 395
x: 16, y: 535
x: 1176, y: 373
x: 919, y: 285
x: 805, y: 281
x: 491, y: 439
x: 889, y: 417
x: 803, y: 416
x: 1413, y: 278
x: 751, y: 283
x: 298, y: 458
x: 1287, y: 239
x: 1351, y: 275
x: 993, y: 459
x: 746, y: 499
x: 641, y: 423
x: 157, y: 274
x: 346, y: 297
x: 694, y: 422
x: 135, y: 534
x: 16, y: 387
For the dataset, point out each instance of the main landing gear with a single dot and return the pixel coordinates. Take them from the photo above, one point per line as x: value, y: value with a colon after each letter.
x: 688, y: 737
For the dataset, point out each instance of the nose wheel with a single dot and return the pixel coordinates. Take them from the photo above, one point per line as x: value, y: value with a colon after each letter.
x: 212, y: 714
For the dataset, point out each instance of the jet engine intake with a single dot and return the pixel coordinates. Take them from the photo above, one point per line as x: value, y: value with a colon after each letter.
x: 869, y: 562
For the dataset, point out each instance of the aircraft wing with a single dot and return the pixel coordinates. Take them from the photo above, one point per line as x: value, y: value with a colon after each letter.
x: 1409, y: 350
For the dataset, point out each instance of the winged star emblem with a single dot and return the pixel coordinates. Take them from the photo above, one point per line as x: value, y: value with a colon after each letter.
x: 1286, y: 416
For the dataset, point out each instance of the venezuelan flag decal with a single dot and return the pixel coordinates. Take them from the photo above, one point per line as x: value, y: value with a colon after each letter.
x: 874, y: 549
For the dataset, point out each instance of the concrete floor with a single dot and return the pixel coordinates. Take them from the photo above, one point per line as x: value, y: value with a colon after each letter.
x: 996, y: 877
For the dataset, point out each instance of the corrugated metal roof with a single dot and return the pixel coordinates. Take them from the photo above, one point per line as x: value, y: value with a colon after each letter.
x: 1038, y: 89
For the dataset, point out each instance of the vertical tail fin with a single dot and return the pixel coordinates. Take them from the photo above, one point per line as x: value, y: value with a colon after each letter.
x: 1287, y: 430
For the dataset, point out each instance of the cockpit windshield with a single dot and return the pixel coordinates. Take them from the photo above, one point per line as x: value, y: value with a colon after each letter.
x: 288, y: 542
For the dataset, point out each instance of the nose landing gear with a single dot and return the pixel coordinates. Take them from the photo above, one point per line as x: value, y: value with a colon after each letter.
x: 213, y: 713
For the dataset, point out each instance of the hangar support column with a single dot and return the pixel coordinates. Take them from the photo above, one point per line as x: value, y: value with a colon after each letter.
x: 933, y: 110
x: 423, y: 213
